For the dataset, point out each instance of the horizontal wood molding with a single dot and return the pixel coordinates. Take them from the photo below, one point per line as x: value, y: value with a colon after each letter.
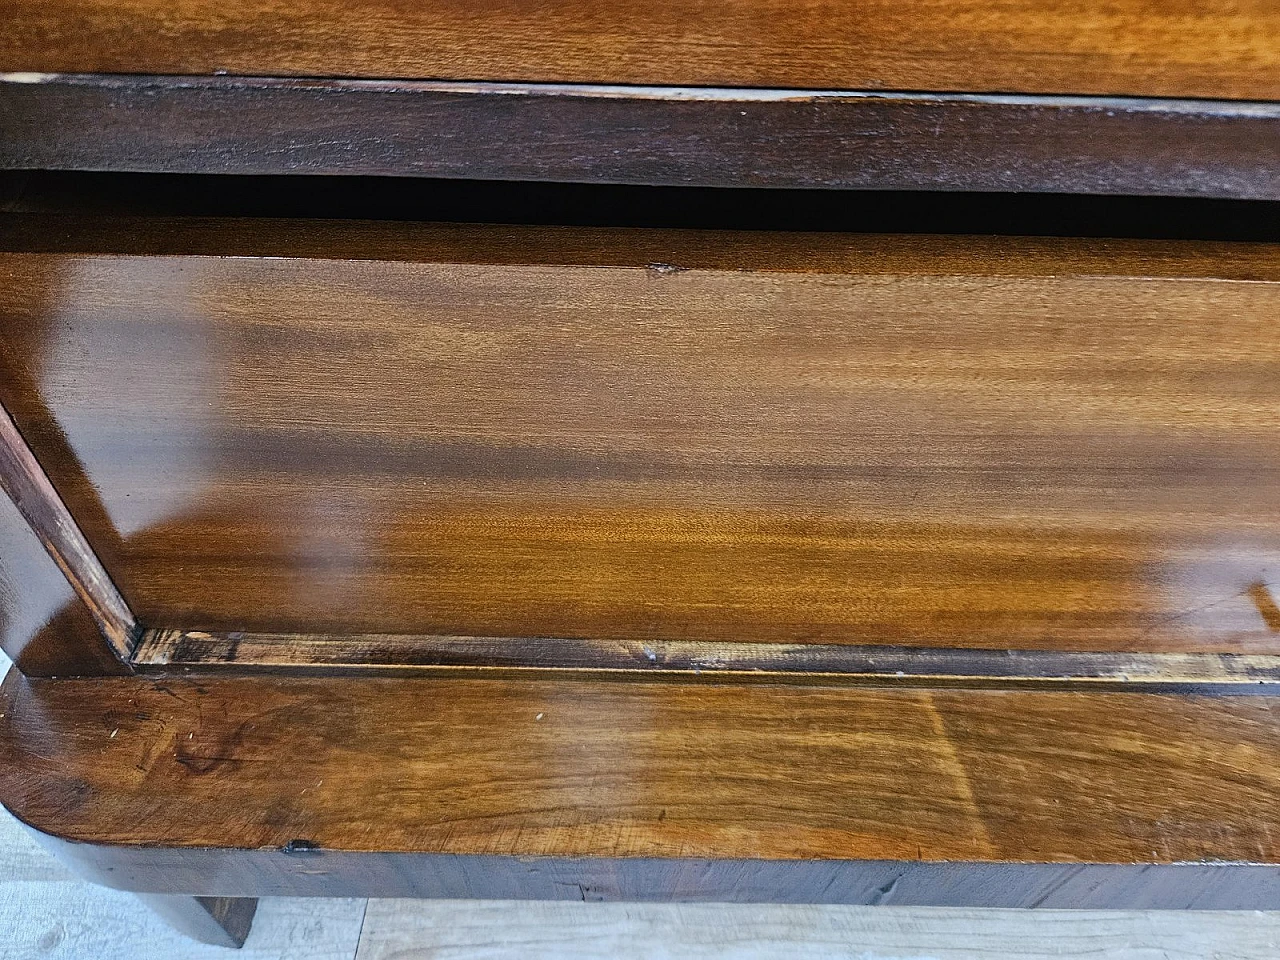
x: 185, y: 651
x: 44, y: 628
x: 643, y: 135
x: 658, y: 251
x: 23, y: 479
x: 1211, y: 48
x: 457, y: 786
x: 303, y: 872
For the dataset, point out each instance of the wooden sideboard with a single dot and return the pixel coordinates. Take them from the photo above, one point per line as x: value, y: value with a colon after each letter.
x: 643, y: 451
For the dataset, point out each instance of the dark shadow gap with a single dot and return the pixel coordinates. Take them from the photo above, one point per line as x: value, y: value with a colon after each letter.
x: 473, y: 201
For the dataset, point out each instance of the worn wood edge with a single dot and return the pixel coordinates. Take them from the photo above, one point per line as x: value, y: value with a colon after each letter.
x: 128, y: 81
x: 28, y: 486
x: 140, y: 860
x: 170, y: 650
x: 836, y: 138
x: 302, y: 869
x: 662, y: 251
x: 299, y: 870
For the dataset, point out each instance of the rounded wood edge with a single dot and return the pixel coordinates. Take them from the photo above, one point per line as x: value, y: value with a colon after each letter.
x: 49, y: 789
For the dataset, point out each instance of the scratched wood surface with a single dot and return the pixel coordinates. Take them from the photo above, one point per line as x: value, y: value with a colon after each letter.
x: 641, y: 435
x: 1213, y: 48
x: 289, y: 769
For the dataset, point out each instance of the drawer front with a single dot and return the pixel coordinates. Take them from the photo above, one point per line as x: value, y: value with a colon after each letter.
x: 641, y: 435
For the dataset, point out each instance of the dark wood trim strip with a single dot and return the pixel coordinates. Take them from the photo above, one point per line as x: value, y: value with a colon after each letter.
x: 653, y: 248
x: 304, y: 872
x: 27, y: 485
x: 642, y: 135
x: 166, y: 650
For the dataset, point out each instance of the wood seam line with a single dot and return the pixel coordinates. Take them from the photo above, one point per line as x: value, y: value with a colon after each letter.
x: 29, y: 487
x: 178, y: 650
x: 639, y: 135
x: 1200, y: 106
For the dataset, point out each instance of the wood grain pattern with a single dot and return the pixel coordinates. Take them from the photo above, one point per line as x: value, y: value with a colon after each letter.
x: 1213, y: 48
x: 43, y: 625
x: 641, y: 791
x: 646, y: 435
x: 27, y: 486
x: 671, y: 136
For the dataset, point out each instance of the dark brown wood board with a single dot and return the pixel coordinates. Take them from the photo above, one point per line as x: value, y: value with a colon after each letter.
x: 27, y: 486
x: 713, y: 137
x: 44, y: 628
x: 607, y: 790
x: 633, y: 435
x: 1211, y: 48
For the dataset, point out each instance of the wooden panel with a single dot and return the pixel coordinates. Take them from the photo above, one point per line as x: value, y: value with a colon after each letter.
x: 1210, y: 48
x: 708, y: 137
x: 43, y: 626
x: 46, y: 626
x: 26, y: 485
x: 300, y: 769
x: 635, y: 435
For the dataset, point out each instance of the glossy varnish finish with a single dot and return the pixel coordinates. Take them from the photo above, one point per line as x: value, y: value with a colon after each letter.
x: 1214, y: 48
x: 641, y: 135
x: 44, y: 628
x: 616, y: 770
x: 24, y: 481
x: 637, y: 435
x: 60, y: 614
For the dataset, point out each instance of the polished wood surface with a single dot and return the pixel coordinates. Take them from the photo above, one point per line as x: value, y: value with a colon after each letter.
x: 304, y: 769
x: 642, y: 435
x: 44, y: 627
x: 27, y: 486
x: 672, y: 136
x: 1212, y: 48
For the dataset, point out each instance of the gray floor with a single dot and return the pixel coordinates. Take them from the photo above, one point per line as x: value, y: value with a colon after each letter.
x: 47, y: 913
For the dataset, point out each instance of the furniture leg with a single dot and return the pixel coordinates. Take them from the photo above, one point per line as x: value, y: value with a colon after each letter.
x: 221, y: 921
